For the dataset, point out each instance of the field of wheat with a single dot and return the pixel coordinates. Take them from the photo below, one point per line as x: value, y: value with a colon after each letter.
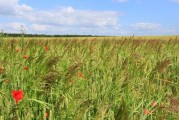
x: 89, y: 79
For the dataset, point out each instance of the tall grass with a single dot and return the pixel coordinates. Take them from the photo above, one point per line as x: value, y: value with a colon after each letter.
x: 90, y: 79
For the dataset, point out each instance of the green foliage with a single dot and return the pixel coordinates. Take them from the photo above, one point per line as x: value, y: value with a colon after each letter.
x: 90, y: 79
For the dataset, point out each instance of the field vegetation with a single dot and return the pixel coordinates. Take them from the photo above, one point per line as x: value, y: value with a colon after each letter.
x: 120, y: 78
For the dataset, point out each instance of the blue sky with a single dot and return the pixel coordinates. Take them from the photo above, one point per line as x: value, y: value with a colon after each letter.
x: 95, y: 17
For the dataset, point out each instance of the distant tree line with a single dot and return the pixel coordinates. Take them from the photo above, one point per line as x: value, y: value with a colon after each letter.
x: 44, y: 35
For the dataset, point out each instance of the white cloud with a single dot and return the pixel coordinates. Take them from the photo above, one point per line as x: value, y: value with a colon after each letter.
x: 41, y: 27
x: 13, y: 8
x: 13, y: 27
x: 176, y: 1
x: 68, y: 20
x: 21, y: 9
x: 146, y: 26
x: 7, y: 7
x: 61, y: 19
x: 68, y: 16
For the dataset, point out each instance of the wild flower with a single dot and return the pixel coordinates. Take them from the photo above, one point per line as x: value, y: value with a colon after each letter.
x: 25, y: 56
x: 1, y: 69
x: 146, y: 112
x: 46, y: 115
x: 17, y: 95
x: 25, y: 67
x: 80, y: 74
x: 6, y: 81
x: 154, y: 104
x: 46, y: 48
x: 17, y: 50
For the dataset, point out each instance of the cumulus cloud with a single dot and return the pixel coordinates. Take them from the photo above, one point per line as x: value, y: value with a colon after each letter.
x: 41, y: 27
x: 146, y: 26
x: 69, y: 20
x: 176, y: 1
x: 13, y: 27
x: 8, y: 7
x: 13, y: 8
x: 66, y: 18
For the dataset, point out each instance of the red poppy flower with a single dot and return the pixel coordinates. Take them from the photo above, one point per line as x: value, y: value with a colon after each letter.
x: 1, y: 69
x: 17, y: 95
x: 46, y: 114
x: 25, y: 57
x: 25, y: 67
x: 80, y: 74
x: 146, y: 112
x: 17, y: 50
x: 46, y: 48
x: 6, y: 81
x: 154, y: 104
